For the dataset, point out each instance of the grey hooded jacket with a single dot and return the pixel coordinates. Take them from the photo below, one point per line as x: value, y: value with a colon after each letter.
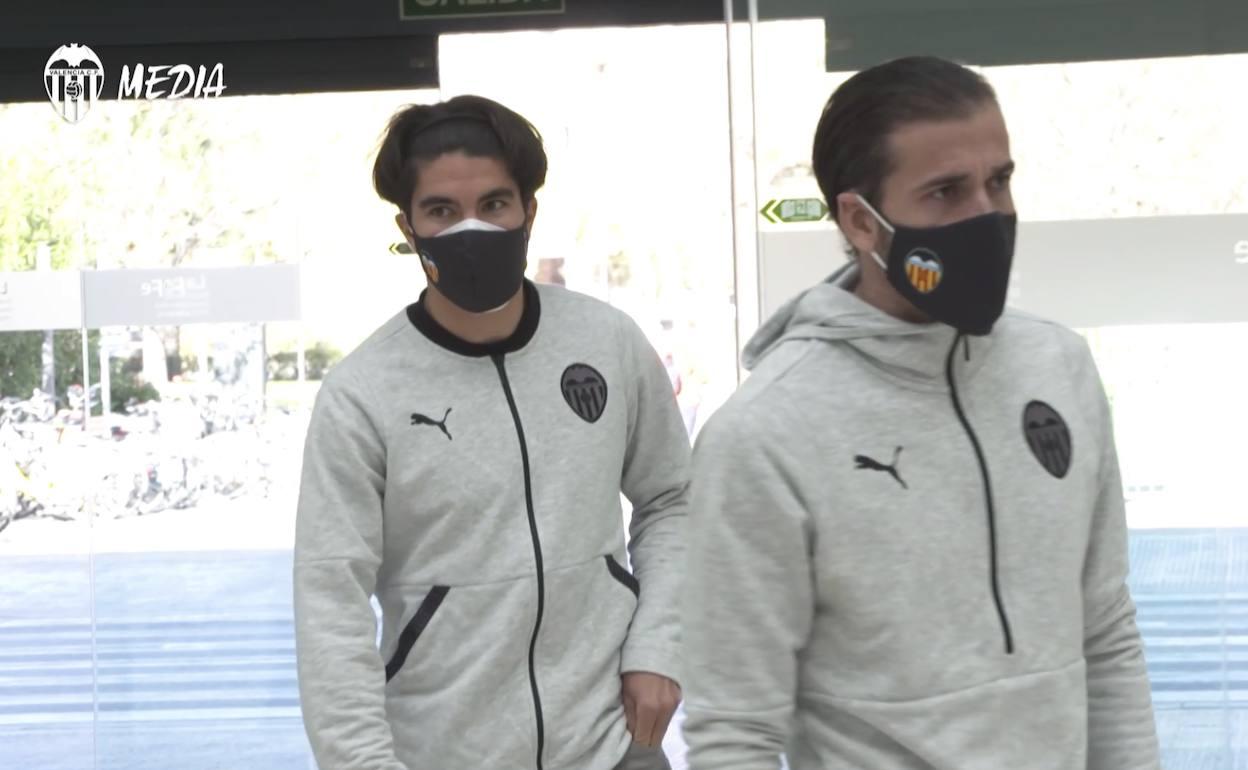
x: 909, y: 552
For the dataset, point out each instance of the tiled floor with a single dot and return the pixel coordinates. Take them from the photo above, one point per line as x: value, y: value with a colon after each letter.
x: 194, y: 658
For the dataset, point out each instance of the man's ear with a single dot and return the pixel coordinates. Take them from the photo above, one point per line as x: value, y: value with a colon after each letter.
x: 857, y: 223
x: 401, y: 220
x: 530, y: 214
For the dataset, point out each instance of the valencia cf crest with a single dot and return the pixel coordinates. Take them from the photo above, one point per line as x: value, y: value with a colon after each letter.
x: 431, y: 269
x: 924, y: 270
x: 585, y: 390
x: 1049, y: 437
x: 74, y: 80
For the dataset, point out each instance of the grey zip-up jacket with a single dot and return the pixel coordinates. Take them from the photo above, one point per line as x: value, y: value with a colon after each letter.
x: 475, y: 490
x: 908, y: 551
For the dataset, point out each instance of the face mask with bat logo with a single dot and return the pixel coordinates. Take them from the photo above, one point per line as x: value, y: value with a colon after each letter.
x: 958, y: 273
x: 476, y: 265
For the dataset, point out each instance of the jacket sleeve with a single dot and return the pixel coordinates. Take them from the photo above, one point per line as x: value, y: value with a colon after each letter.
x: 749, y: 602
x: 1122, y: 734
x: 656, y: 482
x: 338, y: 549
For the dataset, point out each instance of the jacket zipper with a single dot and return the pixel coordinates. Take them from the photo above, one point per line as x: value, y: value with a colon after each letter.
x: 537, y: 556
x: 992, y: 516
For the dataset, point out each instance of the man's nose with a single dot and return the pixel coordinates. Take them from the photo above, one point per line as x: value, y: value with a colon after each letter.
x: 979, y: 204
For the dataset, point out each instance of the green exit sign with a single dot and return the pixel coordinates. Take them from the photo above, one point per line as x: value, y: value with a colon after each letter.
x: 442, y: 9
x: 794, y: 210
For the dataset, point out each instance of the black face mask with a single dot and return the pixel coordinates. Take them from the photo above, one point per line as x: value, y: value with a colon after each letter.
x: 479, y: 267
x: 959, y: 273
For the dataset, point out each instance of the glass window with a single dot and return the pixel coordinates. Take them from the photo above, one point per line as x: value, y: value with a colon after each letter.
x: 1133, y: 195
x: 149, y: 555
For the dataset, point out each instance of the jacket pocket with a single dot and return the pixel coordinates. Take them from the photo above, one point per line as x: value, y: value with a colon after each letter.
x: 623, y: 576
x: 414, y: 628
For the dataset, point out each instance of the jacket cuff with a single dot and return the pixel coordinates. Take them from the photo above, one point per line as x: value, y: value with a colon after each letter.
x: 637, y: 658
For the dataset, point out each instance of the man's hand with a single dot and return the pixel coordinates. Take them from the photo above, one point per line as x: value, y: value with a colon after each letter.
x: 650, y: 701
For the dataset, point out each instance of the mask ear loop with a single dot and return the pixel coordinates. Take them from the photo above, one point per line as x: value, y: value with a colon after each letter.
x: 425, y: 263
x: 875, y: 254
x: 411, y: 234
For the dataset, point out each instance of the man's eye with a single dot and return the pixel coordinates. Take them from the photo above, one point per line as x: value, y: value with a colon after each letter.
x: 495, y: 205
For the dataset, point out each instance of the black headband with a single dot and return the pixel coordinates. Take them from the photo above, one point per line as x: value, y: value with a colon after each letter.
x: 449, y: 118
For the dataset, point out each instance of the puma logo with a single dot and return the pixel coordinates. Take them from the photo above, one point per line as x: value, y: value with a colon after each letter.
x: 865, y: 463
x: 420, y: 419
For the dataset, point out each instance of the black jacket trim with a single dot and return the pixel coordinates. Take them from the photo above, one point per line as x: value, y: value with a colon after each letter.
x: 537, y: 556
x: 623, y: 576
x: 419, y: 316
x: 415, y: 627
x: 993, y: 553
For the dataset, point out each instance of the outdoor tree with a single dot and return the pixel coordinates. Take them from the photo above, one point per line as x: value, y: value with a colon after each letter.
x: 137, y: 184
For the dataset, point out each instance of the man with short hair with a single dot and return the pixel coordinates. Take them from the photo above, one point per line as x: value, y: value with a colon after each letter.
x: 908, y: 545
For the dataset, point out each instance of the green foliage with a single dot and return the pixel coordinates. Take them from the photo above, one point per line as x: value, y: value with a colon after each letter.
x: 147, y: 184
x: 38, y: 194
x: 137, y: 184
x: 125, y: 384
x: 21, y: 368
x: 284, y: 366
x: 21, y: 361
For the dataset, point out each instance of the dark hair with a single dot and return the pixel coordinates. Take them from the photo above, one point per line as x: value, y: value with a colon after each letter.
x: 851, y: 142
x: 473, y: 125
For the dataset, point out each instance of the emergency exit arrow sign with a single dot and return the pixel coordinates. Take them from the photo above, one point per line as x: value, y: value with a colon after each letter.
x: 791, y: 210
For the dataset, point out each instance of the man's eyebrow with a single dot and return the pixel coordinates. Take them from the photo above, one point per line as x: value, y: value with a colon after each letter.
x: 1004, y: 168
x: 947, y: 180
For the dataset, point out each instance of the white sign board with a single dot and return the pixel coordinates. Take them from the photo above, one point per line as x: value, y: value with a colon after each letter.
x: 1137, y: 270
x: 178, y: 296
x: 40, y: 299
